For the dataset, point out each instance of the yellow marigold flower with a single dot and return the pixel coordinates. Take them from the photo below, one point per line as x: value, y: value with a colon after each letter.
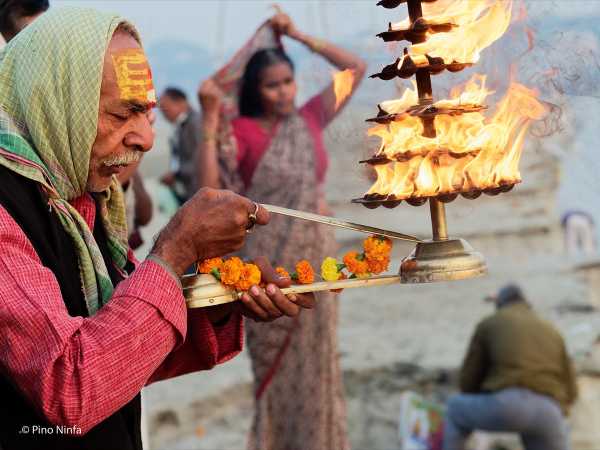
x: 250, y: 277
x: 305, y: 272
x: 329, y: 270
x: 231, y: 272
x: 208, y: 265
x: 356, y: 263
x: 282, y: 272
x: 377, y: 248
x: 376, y: 266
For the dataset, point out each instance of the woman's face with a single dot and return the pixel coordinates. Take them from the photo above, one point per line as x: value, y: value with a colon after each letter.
x: 277, y: 89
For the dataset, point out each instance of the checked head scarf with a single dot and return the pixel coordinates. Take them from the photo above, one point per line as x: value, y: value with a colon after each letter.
x: 50, y: 78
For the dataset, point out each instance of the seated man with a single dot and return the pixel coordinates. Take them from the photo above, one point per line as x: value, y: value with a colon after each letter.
x: 82, y: 330
x: 516, y: 377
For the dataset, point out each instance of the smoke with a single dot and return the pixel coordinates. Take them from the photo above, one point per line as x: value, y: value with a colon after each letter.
x: 551, y: 123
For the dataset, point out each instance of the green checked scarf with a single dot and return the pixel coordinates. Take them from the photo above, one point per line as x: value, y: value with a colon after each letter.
x: 50, y: 77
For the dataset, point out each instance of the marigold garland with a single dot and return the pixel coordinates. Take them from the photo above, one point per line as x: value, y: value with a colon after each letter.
x: 305, y: 274
x: 231, y: 272
x: 208, y: 265
x: 330, y: 269
x: 250, y: 277
x: 242, y: 276
x: 378, y: 266
x: 356, y: 263
x: 377, y: 248
x: 282, y: 272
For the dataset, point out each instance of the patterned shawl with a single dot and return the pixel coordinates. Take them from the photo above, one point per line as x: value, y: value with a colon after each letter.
x: 50, y: 77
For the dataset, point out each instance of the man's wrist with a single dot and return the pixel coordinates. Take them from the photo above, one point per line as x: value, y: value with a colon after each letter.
x: 166, y: 266
x: 173, y: 255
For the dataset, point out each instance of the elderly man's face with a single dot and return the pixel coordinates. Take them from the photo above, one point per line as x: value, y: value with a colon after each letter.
x: 124, y: 128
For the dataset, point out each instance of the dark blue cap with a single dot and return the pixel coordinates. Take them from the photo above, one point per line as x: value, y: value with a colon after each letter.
x: 510, y: 293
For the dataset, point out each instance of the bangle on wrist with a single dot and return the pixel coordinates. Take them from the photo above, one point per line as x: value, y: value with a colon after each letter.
x: 209, y: 136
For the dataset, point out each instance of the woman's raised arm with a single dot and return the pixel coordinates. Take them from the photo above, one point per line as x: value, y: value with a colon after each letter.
x: 210, y: 97
x: 337, y: 56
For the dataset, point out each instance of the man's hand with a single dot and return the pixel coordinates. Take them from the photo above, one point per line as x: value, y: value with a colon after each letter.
x: 212, y: 223
x: 265, y: 305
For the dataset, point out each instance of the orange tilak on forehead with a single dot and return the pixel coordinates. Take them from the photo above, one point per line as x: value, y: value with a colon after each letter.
x: 134, y: 77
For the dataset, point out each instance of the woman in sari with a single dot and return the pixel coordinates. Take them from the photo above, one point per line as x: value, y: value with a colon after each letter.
x: 273, y: 152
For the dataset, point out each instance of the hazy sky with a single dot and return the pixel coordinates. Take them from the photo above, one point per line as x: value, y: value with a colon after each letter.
x: 222, y: 26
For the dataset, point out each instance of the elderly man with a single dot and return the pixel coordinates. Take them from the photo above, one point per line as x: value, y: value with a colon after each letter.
x: 81, y: 329
x: 516, y: 377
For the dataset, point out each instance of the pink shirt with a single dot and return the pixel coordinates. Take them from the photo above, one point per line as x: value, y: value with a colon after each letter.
x: 253, y: 140
x: 78, y: 371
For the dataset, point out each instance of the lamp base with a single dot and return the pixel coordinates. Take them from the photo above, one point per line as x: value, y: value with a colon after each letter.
x: 445, y: 260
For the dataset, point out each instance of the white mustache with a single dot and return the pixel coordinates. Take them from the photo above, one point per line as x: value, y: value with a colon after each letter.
x: 123, y: 160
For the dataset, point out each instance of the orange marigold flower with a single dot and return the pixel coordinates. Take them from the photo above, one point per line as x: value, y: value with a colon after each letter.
x: 376, y: 266
x: 208, y: 265
x: 305, y: 272
x: 282, y: 272
x: 231, y: 272
x: 250, y: 277
x: 377, y: 248
x: 356, y: 263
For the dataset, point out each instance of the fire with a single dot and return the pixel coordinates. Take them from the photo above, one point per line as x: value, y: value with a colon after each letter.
x: 474, y: 93
x: 470, y: 151
x: 477, y: 25
x: 342, y: 86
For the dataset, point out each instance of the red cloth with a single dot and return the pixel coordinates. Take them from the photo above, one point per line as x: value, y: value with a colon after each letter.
x: 253, y: 140
x: 78, y: 371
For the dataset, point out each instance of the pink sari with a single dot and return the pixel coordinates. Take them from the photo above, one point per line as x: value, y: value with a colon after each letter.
x: 298, y: 384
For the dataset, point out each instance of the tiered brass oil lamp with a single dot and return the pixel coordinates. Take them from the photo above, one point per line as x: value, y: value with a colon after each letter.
x: 441, y: 258
x: 432, y: 151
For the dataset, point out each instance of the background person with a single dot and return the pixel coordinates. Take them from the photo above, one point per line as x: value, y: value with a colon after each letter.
x: 182, y: 175
x: 17, y: 14
x: 276, y: 155
x: 580, y: 234
x: 516, y: 377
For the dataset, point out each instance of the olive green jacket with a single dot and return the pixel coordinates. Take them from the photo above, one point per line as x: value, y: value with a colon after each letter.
x: 516, y: 348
